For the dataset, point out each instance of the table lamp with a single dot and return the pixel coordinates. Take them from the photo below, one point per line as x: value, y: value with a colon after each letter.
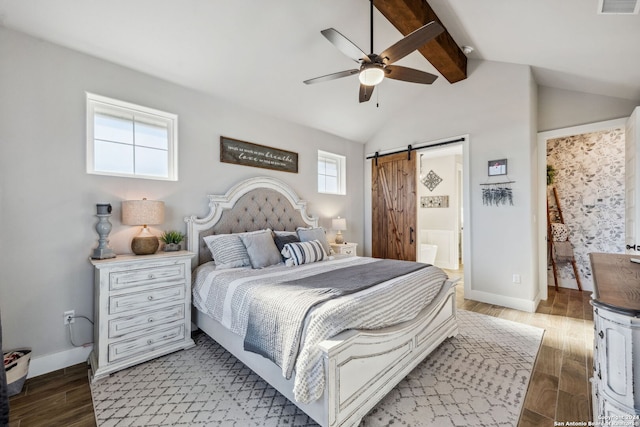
x: 143, y: 212
x: 339, y: 224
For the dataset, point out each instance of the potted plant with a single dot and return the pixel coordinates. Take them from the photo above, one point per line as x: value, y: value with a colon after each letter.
x: 551, y: 174
x: 172, y: 239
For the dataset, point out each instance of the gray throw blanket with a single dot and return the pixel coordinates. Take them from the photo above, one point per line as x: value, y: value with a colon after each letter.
x: 563, y: 251
x: 275, y: 323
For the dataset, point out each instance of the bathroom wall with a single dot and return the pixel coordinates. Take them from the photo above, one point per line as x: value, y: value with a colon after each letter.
x: 590, y: 185
x: 437, y: 224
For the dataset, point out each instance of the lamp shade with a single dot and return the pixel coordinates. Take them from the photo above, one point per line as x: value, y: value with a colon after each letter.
x: 142, y: 212
x: 339, y: 224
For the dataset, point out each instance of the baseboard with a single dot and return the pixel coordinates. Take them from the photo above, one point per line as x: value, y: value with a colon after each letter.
x: 504, y: 301
x: 52, y: 362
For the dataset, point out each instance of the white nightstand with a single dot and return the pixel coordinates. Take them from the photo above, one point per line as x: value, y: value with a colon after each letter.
x: 142, y: 309
x: 344, y: 248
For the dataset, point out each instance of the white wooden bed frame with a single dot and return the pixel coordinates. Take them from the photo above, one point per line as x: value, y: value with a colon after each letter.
x: 361, y: 366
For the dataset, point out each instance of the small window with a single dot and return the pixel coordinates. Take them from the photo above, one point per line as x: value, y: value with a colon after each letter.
x: 331, y: 173
x: 129, y: 140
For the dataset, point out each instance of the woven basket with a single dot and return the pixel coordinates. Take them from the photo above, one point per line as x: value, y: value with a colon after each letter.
x: 16, y: 364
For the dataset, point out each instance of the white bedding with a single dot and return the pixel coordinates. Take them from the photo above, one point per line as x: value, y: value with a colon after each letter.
x: 225, y: 296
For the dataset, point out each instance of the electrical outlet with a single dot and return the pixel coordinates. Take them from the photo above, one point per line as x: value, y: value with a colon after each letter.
x: 516, y: 278
x: 69, y: 317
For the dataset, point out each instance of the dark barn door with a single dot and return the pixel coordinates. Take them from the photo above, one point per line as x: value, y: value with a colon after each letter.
x: 393, y: 200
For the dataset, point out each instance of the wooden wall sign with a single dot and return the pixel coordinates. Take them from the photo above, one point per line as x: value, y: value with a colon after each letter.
x: 259, y: 156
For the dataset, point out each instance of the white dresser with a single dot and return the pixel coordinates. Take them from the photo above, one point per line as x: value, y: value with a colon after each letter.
x: 616, y: 355
x: 142, y: 309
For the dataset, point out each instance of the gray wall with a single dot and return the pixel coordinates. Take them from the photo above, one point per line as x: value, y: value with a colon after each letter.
x: 558, y: 108
x: 496, y: 106
x: 47, y: 201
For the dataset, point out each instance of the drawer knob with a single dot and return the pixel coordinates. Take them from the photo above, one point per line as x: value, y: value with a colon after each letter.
x: 151, y: 276
x: 150, y: 320
x: 150, y: 297
x: 601, y: 334
x: 149, y: 342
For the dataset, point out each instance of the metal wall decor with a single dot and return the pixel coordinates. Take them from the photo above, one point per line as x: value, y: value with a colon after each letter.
x: 431, y: 180
x: 434, y: 201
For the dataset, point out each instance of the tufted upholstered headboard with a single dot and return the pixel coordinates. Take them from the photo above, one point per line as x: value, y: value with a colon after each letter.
x: 253, y: 204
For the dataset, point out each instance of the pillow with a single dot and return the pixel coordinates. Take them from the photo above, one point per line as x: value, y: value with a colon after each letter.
x: 304, y: 252
x: 310, y: 234
x: 261, y: 249
x: 285, y: 233
x: 559, y: 232
x: 227, y: 251
x: 281, y: 240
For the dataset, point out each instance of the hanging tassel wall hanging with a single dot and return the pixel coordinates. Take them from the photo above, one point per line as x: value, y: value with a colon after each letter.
x: 497, y: 193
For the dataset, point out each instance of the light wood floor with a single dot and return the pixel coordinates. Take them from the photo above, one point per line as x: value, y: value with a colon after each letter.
x: 559, y: 388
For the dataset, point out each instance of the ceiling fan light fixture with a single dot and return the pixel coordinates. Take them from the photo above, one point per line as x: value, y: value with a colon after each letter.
x: 371, y: 76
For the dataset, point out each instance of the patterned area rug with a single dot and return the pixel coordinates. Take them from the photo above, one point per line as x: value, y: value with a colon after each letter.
x: 479, y: 378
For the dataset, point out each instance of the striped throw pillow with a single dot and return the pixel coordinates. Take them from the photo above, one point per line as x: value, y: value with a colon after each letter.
x: 304, y: 252
x: 227, y: 251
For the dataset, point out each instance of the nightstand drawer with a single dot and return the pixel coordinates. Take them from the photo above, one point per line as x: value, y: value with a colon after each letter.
x: 142, y: 300
x: 344, y: 248
x: 147, y: 321
x: 128, y: 348
x: 146, y: 276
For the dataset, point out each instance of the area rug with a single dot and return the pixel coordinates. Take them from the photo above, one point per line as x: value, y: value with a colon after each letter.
x: 478, y: 378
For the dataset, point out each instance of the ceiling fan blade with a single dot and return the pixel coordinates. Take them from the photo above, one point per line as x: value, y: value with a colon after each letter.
x: 345, y: 45
x: 405, y: 74
x: 366, y: 92
x: 412, y: 42
x: 333, y: 76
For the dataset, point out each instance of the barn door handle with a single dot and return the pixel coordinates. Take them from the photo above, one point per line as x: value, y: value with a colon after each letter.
x: 410, y: 235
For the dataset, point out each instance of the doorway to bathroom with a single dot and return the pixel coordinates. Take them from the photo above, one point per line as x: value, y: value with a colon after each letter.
x: 440, y: 218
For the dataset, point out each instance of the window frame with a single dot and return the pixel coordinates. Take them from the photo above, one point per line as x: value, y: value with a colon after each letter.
x: 98, y: 102
x: 341, y: 163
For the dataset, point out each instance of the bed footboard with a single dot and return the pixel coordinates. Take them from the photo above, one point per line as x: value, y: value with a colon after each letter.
x: 363, y: 366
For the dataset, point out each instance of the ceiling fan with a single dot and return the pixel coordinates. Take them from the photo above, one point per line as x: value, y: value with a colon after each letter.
x: 373, y: 67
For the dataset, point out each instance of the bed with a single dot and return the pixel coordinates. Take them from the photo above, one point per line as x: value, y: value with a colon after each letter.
x: 358, y: 367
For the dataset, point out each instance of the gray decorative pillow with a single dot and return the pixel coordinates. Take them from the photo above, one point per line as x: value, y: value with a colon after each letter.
x: 285, y: 233
x: 261, y: 249
x: 227, y: 251
x: 311, y: 234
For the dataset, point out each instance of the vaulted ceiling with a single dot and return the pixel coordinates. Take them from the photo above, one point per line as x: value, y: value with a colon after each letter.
x: 257, y: 53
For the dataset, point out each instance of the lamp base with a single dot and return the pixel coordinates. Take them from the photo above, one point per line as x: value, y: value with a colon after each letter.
x: 103, y: 253
x: 145, y: 243
x: 339, y: 239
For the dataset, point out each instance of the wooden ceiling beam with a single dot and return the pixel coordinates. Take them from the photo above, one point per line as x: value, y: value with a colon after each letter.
x: 442, y: 52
